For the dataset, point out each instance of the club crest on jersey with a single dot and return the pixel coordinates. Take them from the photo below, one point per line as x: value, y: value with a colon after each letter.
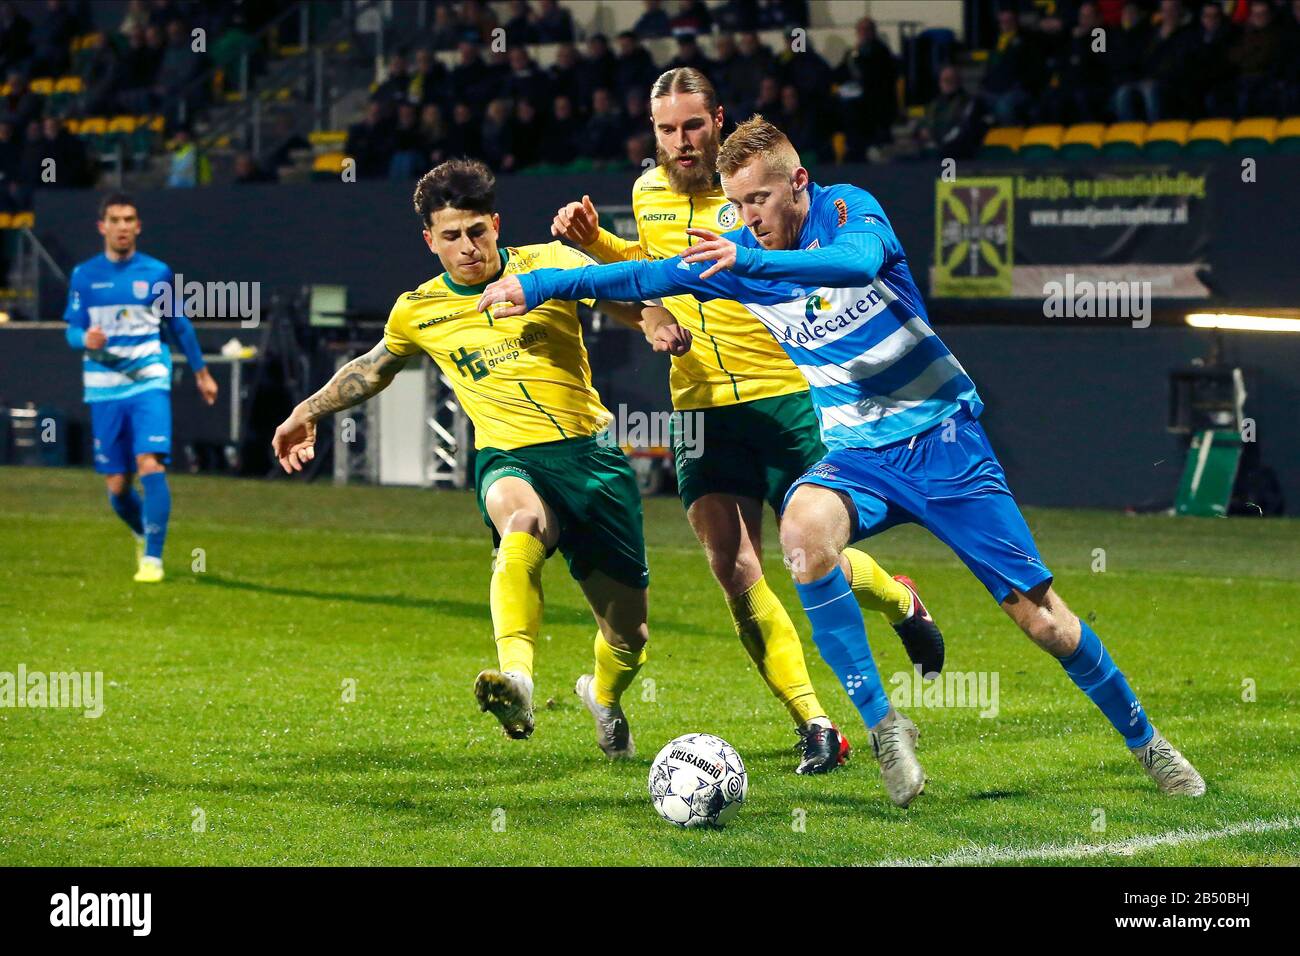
x: 727, y: 216
x: 140, y: 288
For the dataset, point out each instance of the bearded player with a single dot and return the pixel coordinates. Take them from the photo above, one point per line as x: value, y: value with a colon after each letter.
x: 822, y: 269
x: 759, y: 429
x: 544, y: 480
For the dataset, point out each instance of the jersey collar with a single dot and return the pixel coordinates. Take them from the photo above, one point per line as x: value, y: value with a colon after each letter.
x: 477, y: 289
x: 806, y: 230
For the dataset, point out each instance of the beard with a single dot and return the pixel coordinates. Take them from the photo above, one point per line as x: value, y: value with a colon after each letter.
x: 698, y: 178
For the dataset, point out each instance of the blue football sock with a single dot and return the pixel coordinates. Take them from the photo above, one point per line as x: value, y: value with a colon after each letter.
x: 127, y: 507
x: 1092, y: 670
x: 841, y: 637
x: 157, y: 509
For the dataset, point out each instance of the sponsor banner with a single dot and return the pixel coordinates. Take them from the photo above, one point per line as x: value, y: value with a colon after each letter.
x: 1004, y: 236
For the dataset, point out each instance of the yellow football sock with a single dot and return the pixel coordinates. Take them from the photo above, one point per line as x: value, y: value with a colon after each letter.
x: 773, y: 644
x: 516, y: 599
x: 615, y: 668
x: 875, y: 589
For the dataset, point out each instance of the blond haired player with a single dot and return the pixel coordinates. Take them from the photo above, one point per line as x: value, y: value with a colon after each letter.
x: 544, y: 480
x: 759, y: 430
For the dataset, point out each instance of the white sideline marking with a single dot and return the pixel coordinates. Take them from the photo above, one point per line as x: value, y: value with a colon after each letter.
x: 979, y: 856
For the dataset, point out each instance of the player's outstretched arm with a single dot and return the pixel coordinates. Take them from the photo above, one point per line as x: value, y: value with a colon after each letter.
x: 579, y: 223
x: 853, y: 259
x: 366, y: 375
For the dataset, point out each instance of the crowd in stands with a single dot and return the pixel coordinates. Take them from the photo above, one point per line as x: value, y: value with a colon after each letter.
x: 1155, y: 59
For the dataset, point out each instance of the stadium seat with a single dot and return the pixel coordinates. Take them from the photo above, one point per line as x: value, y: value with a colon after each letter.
x: 327, y: 165
x: 1208, y: 137
x: 1124, y: 139
x: 327, y: 137
x: 1001, y: 142
x: 1166, y: 138
x: 1083, y: 140
x: 42, y: 85
x: 1254, y: 134
x: 1288, y: 136
x: 1041, y: 142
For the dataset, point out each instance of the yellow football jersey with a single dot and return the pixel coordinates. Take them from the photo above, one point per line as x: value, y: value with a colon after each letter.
x: 733, y: 358
x: 522, y: 380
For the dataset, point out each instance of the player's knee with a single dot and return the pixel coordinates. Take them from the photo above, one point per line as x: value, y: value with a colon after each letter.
x: 524, y: 519
x: 628, y: 637
x: 149, y: 465
x: 736, y: 573
x: 1056, y: 633
x: 805, y: 547
x: 117, y: 485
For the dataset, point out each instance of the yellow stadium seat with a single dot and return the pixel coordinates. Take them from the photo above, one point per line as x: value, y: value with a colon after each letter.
x: 23, y: 220
x: 6, y: 220
x: 1001, y: 142
x: 68, y: 84
x: 121, y: 124
x: 1082, y: 140
x: 1254, y: 134
x: 1288, y: 135
x: 1208, y: 136
x: 328, y: 165
x: 327, y: 137
x: 94, y: 126
x: 1124, y: 139
x: 1166, y: 138
x: 1041, y: 142
x: 42, y: 85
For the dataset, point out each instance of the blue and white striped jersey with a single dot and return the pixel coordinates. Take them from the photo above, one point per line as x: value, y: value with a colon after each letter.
x: 118, y: 297
x: 843, y: 305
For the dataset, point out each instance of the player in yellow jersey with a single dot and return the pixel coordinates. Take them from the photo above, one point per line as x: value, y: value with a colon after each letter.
x: 759, y: 430
x: 543, y: 477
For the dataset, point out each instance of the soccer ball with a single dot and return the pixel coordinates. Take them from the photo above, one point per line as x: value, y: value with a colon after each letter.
x: 698, y: 780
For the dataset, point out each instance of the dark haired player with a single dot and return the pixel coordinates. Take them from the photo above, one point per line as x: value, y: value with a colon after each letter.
x: 543, y: 478
x: 127, y: 372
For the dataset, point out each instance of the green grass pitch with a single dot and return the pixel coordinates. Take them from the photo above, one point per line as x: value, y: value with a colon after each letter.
x: 226, y: 738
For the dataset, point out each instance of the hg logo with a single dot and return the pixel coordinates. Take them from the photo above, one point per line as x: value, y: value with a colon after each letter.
x: 469, y: 364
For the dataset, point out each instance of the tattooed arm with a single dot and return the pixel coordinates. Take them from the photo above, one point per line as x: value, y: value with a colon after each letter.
x: 364, y: 376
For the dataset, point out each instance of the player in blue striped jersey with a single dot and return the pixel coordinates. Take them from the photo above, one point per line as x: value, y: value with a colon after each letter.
x: 822, y: 269
x: 116, y: 320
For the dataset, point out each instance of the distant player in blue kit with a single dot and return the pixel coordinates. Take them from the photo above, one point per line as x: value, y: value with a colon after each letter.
x: 114, y: 322
x: 822, y: 269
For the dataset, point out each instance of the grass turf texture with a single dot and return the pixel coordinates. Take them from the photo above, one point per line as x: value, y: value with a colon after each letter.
x: 224, y: 694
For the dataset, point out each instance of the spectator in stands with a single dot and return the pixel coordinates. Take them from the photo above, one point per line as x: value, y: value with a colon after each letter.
x: 868, y: 75
x: 520, y: 29
x: 1125, y: 49
x: 636, y: 68
x: 20, y: 105
x: 1079, y: 84
x: 71, y: 169
x: 51, y: 36
x: 653, y: 22
x: 134, y: 75
x: 370, y: 142
x: 689, y: 54
x: 396, y: 85
x: 180, y: 66
x: 498, y: 137
x: 477, y: 21
x: 1258, y: 58
x: 410, y: 149
x: 605, y: 137
x: 1211, y: 72
x: 1165, y: 62
x: 796, y: 121
x: 464, y: 137
x: 11, y: 152
x: 526, y: 80
x: 528, y: 133
x: 782, y: 14
x: 136, y: 18
x: 470, y: 80
x: 737, y: 15
x: 189, y: 165
x: 598, y: 70
x: 636, y: 113
x: 428, y: 78
x: 738, y: 82
x: 433, y: 127
x: 950, y: 128
x: 565, y: 74
x: 163, y: 12
x: 1014, y: 71
x: 15, y: 33
x: 446, y: 33
x: 554, y: 23
x: 559, y: 144
x: 248, y: 171
x: 692, y: 17
x: 640, y: 148
x: 288, y: 141
x: 810, y: 74
x: 768, y: 101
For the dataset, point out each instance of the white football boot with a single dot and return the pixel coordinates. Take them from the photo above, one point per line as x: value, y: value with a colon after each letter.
x: 613, y: 735
x: 893, y: 741
x: 1170, y: 770
x: 509, y: 696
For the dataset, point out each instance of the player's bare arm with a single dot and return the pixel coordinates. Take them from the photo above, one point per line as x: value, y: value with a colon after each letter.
x: 365, y: 376
x: 663, y: 332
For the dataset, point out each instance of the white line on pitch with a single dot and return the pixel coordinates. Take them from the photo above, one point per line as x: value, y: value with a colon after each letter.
x: 1075, y: 851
